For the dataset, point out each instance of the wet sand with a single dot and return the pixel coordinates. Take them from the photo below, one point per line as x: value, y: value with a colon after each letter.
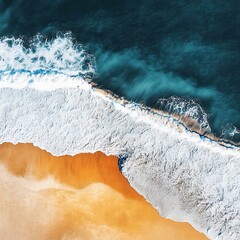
x: 75, y: 197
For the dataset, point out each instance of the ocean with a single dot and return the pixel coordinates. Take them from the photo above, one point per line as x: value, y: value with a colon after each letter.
x: 179, y: 56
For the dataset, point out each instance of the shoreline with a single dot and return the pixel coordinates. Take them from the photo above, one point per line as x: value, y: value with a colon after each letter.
x: 88, y: 184
x: 166, y: 163
x: 56, y: 80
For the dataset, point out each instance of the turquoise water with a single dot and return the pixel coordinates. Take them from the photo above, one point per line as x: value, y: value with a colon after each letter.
x: 149, y: 50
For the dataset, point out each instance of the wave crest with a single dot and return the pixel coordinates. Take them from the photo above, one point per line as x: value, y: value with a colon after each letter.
x: 40, y: 55
x: 188, y: 111
x: 229, y: 131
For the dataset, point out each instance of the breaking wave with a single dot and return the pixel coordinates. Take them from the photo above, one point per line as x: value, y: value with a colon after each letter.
x: 188, y: 111
x: 229, y: 131
x: 40, y: 55
x: 33, y: 63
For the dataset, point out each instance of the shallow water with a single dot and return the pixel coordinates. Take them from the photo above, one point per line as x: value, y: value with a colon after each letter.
x: 70, y: 197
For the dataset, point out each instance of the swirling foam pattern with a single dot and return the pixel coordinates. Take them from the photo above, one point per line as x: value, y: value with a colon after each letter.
x: 59, y: 55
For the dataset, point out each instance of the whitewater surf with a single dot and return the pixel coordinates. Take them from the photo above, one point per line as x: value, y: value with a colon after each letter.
x: 46, y: 100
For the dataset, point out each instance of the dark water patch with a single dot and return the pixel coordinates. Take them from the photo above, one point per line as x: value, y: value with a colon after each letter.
x: 146, y: 50
x: 122, y: 158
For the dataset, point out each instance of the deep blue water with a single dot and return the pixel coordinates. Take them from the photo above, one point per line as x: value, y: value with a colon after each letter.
x: 146, y: 50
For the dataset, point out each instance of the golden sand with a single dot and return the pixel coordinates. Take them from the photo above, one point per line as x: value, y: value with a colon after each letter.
x: 82, y: 197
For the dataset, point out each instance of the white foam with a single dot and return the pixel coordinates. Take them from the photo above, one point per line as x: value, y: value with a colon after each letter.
x: 43, y: 82
x: 186, y: 108
x: 186, y: 177
x: 61, y: 54
x: 45, y: 101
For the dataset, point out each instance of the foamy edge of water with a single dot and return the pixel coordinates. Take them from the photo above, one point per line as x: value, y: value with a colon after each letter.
x: 162, y: 155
